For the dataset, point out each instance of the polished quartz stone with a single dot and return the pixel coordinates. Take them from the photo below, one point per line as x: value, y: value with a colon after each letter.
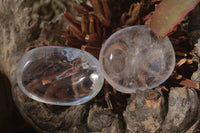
x: 134, y: 58
x: 59, y: 75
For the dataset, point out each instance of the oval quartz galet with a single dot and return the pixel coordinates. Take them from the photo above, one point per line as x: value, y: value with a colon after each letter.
x: 134, y: 58
x: 59, y: 75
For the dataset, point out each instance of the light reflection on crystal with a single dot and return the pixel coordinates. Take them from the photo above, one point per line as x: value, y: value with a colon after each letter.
x: 134, y: 58
x: 59, y: 75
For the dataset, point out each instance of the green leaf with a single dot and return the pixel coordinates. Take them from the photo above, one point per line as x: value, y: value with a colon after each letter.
x: 168, y: 14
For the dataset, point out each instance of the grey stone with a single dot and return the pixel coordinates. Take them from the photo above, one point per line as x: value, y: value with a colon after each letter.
x: 103, y: 120
x: 145, y: 112
x: 183, y: 110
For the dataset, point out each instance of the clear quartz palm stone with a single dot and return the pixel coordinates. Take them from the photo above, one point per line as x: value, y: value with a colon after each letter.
x: 134, y: 58
x: 59, y: 75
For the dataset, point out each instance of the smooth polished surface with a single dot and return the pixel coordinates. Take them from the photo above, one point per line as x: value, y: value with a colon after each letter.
x: 134, y: 58
x: 59, y: 75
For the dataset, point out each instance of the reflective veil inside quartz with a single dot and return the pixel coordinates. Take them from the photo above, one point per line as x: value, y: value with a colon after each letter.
x: 134, y: 58
x: 59, y: 75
